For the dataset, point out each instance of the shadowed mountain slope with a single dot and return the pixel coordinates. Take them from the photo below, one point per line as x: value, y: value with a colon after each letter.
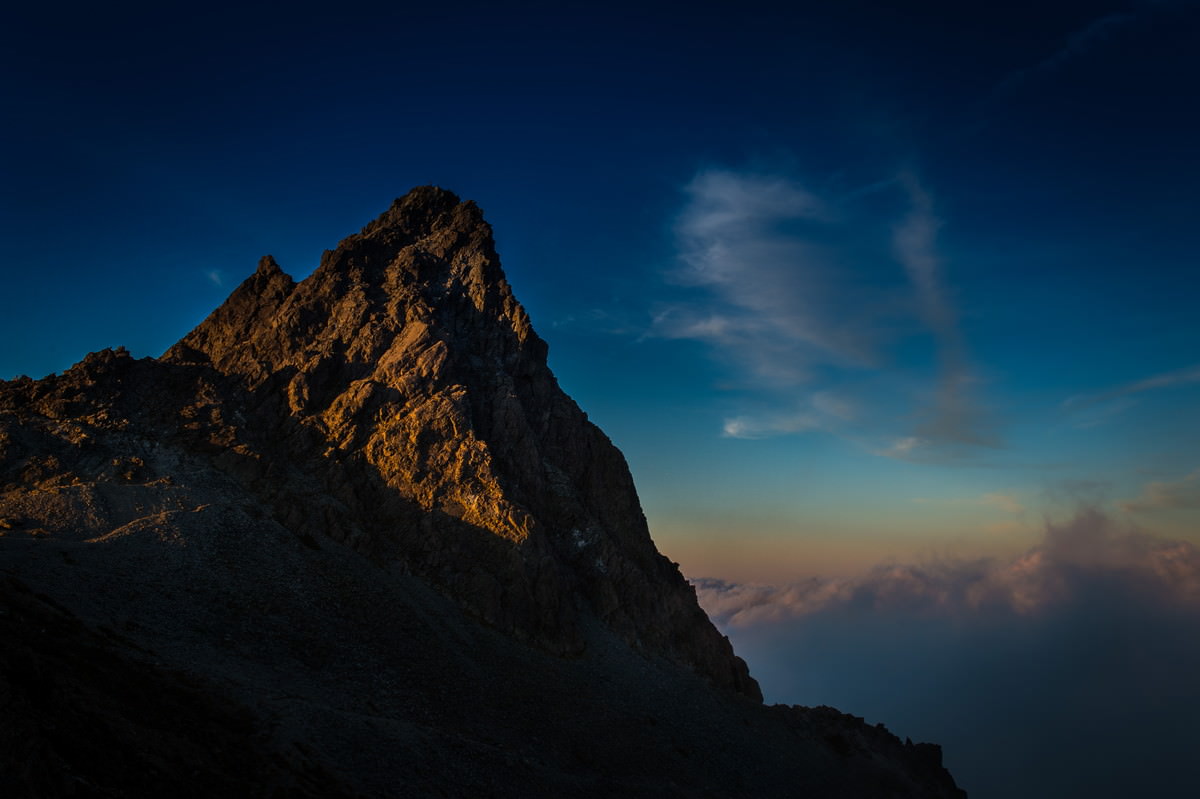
x: 355, y: 521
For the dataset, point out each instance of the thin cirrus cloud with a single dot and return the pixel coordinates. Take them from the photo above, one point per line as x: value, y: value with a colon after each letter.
x: 1082, y: 41
x: 1091, y: 410
x: 1075, y: 659
x: 1004, y: 502
x: 954, y: 415
x: 789, y: 288
x: 771, y: 425
x: 822, y: 410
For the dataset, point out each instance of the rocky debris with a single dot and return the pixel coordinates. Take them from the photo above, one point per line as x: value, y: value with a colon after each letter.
x: 297, y: 502
x: 82, y: 718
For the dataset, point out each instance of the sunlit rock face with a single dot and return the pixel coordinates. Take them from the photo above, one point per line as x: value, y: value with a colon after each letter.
x: 360, y: 509
x: 406, y: 359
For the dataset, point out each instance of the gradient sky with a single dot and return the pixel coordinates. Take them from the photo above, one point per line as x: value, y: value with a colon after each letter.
x: 843, y: 282
x: 847, y: 284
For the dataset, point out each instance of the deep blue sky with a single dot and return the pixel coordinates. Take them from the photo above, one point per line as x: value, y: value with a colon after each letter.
x: 847, y: 283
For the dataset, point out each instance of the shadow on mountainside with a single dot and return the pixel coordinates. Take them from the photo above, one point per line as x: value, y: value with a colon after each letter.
x: 353, y: 527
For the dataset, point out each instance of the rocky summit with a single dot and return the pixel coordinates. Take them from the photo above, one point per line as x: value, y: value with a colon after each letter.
x: 348, y: 537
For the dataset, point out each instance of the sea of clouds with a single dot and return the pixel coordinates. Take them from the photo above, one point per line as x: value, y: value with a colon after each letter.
x: 1070, y: 670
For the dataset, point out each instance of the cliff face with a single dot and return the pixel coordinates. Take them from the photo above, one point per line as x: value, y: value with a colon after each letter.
x: 405, y: 359
x: 296, y: 504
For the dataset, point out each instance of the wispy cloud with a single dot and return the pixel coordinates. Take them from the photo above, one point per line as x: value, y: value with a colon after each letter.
x: 1182, y: 494
x: 834, y: 406
x: 215, y: 276
x: 1005, y: 502
x: 904, y: 448
x: 775, y: 304
x: 609, y: 321
x: 789, y: 286
x: 1081, y: 41
x: 1091, y: 410
x: 1177, y: 378
x: 1000, y: 501
x: 768, y: 426
x: 823, y: 410
x: 955, y: 416
x: 1094, y: 414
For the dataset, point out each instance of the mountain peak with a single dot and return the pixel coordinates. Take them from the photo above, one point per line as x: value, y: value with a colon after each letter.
x: 268, y: 266
x: 425, y: 197
x: 424, y: 210
x: 406, y: 354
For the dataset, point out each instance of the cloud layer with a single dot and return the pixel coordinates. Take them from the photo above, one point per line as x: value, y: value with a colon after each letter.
x: 1066, y: 671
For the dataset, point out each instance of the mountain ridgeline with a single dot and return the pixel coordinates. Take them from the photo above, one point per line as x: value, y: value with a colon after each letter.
x: 356, y: 521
